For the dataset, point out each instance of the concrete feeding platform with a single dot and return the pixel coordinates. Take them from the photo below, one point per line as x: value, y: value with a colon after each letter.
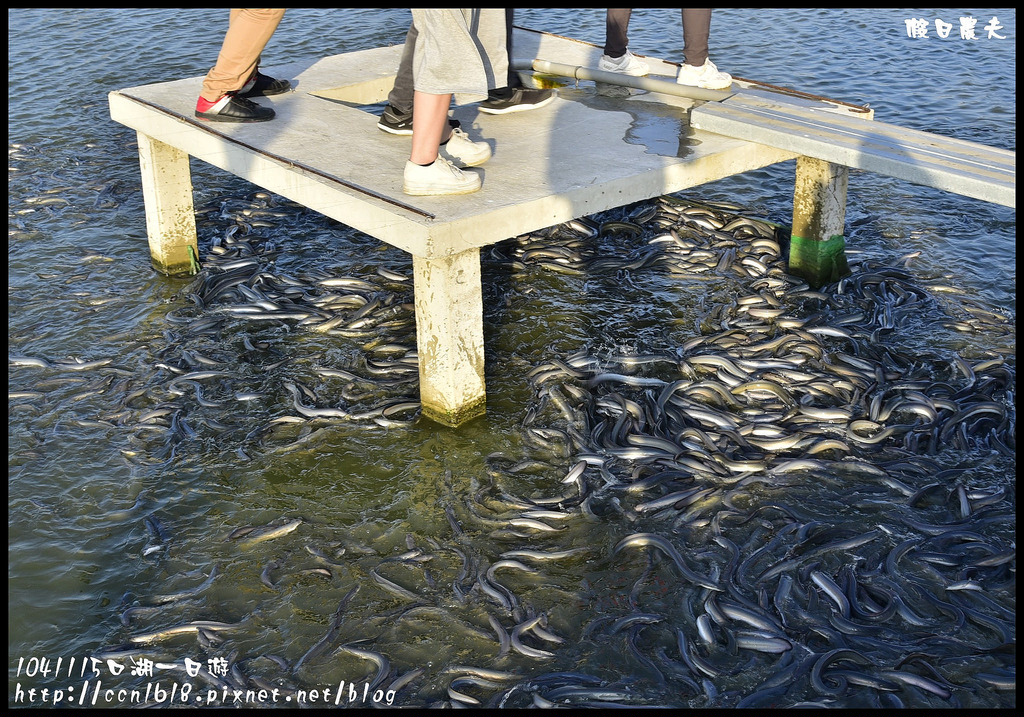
x: 583, y: 153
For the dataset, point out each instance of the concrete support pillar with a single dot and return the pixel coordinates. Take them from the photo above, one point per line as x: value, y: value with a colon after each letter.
x: 816, y: 251
x: 170, y: 214
x: 450, y: 336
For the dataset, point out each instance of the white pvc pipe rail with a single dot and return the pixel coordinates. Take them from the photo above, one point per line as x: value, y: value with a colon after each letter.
x: 666, y: 87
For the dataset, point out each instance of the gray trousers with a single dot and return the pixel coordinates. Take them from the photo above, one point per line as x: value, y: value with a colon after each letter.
x: 696, y: 29
x: 400, y: 97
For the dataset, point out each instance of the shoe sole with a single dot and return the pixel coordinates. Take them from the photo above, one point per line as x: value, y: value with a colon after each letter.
x: 519, y: 108
x: 413, y: 191
x: 407, y: 132
x: 704, y: 86
x: 391, y: 130
x: 222, y: 118
x: 628, y: 74
x: 262, y: 93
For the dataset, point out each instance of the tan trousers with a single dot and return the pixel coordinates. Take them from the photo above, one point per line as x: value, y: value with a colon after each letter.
x: 247, y: 35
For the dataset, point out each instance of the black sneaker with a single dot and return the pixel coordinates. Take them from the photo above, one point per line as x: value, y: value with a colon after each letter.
x: 519, y: 100
x: 262, y: 86
x: 393, y: 121
x: 234, y: 109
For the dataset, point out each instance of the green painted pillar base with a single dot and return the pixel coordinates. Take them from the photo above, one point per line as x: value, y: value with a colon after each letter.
x: 453, y: 418
x: 178, y: 270
x: 819, y: 214
x: 162, y: 262
x: 818, y: 262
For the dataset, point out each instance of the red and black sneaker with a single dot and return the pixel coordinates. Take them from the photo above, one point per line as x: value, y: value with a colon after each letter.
x: 232, y: 108
x: 259, y: 85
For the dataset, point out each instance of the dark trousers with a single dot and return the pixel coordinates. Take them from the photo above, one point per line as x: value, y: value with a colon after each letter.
x: 696, y: 29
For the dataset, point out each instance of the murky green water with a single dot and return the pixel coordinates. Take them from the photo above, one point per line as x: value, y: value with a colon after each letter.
x: 128, y: 481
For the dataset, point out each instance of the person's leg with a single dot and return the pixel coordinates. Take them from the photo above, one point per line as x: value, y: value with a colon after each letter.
x: 397, y: 116
x: 433, y: 135
x: 698, y: 70
x: 616, y: 37
x: 512, y: 81
x: 442, y: 51
x: 401, y: 95
x: 513, y: 76
x: 455, y: 48
x: 617, y: 57
x: 429, y: 118
x: 235, y: 77
x: 696, y: 29
x: 249, y: 30
x: 426, y: 173
x: 514, y: 97
x: 448, y: 56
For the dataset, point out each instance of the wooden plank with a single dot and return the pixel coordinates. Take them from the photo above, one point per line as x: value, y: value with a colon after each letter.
x: 958, y: 166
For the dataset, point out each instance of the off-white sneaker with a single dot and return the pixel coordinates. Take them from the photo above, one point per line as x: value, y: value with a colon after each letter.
x: 706, y: 76
x: 628, y: 64
x: 440, y: 177
x: 461, y: 150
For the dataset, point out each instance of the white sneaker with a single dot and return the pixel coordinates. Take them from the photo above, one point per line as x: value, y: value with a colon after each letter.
x: 440, y: 177
x: 463, y: 151
x: 707, y: 76
x: 628, y: 64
